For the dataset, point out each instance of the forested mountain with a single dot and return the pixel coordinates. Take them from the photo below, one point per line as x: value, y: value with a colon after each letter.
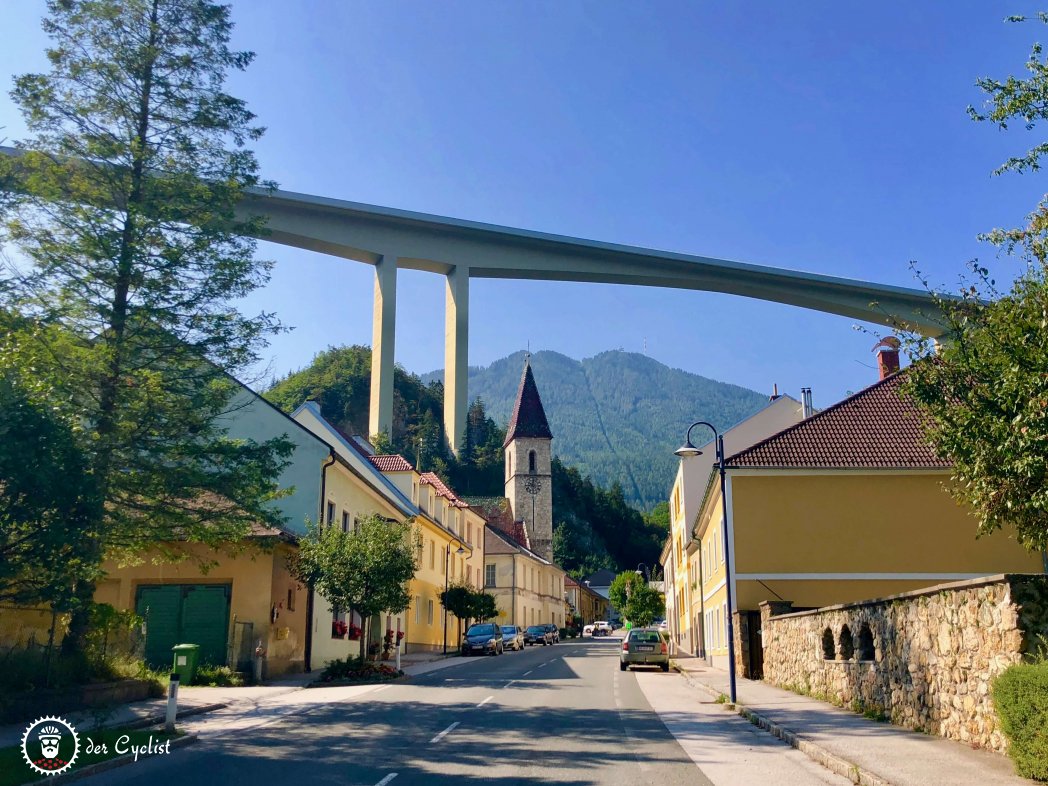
x: 616, y: 417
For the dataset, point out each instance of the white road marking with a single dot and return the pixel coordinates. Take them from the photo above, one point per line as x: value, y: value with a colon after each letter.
x: 525, y: 674
x: 444, y: 733
x: 508, y: 683
x: 384, y: 687
x: 489, y: 698
x: 541, y: 665
x: 387, y: 779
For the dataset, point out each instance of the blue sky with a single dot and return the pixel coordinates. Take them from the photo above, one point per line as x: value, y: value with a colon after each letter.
x: 821, y: 136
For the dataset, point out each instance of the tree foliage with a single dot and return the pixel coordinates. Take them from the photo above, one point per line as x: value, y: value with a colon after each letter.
x: 984, y: 390
x: 367, y: 569
x: 467, y: 603
x: 47, y: 501
x: 125, y: 213
x: 638, y: 602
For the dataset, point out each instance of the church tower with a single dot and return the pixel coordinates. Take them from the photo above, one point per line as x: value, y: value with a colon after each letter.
x: 528, y: 449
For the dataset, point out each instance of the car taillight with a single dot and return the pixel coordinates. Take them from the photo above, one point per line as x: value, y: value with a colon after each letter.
x: 663, y: 648
x: 625, y: 646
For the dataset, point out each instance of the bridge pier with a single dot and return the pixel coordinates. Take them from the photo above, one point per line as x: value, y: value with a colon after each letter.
x: 383, y: 338
x: 456, y: 355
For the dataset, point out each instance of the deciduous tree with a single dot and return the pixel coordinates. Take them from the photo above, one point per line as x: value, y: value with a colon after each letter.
x: 984, y: 389
x: 366, y: 569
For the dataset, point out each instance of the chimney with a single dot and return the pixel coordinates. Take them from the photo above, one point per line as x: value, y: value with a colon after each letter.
x: 774, y: 391
x: 807, y: 410
x: 888, y: 355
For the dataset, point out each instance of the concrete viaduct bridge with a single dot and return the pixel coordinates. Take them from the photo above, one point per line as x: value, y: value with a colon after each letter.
x: 390, y: 239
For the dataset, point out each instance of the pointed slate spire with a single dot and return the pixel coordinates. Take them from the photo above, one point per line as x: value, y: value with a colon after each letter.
x: 529, y: 418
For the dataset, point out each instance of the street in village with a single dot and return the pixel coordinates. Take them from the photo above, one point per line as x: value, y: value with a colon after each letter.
x: 563, y: 714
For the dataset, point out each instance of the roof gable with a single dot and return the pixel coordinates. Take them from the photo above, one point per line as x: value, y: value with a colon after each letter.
x: 877, y: 428
x: 528, y: 418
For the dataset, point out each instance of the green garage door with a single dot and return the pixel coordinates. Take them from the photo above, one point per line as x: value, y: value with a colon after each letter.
x: 184, y: 614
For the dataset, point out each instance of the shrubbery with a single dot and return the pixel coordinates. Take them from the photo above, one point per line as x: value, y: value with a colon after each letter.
x: 352, y: 670
x: 217, y: 676
x: 1020, y: 696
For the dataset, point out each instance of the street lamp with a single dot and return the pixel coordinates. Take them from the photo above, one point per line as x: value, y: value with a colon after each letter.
x: 447, y: 556
x: 688, y: 450
x: 646, y: 573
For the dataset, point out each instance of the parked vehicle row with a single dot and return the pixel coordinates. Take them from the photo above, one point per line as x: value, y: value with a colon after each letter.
x: 487, y: 638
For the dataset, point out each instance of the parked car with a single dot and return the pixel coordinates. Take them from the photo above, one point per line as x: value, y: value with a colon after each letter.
x: 483, y: 638
x: 644, y: 647
x: 587, y: 630
x: 553, y: 629
x: 601, y: 628
x: 512, y: 637
x: 538, y: 634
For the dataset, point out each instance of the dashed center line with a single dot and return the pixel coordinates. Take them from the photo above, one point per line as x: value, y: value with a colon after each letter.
x: 387, y: 779
x: 444, y: 733
x: 525, y: 674
x: 541, y: 665
x: 489, y: 698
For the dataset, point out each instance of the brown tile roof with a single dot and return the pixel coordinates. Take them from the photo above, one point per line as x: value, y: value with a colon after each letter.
x: 528, y: 418
x: 431, y: 479
x: 877, y: 428
x: 498, y: 542
x: 391, y: 463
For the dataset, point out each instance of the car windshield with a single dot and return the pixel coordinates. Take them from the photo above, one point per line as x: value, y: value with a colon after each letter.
x: 508, y: 629
x: 481, y: 630
x: 645, y: 636
x: 536, y: 629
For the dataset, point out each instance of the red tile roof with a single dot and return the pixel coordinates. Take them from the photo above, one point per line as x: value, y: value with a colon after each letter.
x: 391, y: 463
x: 528, y: 418
x: 877, y: 428
x: 431, y: 479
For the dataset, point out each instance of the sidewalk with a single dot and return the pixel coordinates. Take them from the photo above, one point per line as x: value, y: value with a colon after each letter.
x: 194, y: 700
x: 866, y: 751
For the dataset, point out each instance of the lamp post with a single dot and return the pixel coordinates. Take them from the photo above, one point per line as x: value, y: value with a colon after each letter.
x: 646, y: 573
x: 687, y: 450
x: 447, y: 556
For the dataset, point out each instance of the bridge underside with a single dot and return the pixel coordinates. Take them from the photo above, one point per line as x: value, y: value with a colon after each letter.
x: 392, y: 239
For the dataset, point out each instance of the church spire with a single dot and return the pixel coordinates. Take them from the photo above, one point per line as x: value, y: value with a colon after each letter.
x: 529, y: 418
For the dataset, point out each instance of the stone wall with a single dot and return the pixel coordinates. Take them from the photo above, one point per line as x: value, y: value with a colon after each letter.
x: 923, y: 659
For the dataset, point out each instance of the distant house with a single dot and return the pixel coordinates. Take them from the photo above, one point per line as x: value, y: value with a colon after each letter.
x: 585, y: 604
x: 528, y: 588
x: 600, y: 582
x: 843, y: 506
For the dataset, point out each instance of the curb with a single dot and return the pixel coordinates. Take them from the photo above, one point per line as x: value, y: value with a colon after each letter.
x: 816, y: 753
x: 153, y: 720
x: 112, y: 764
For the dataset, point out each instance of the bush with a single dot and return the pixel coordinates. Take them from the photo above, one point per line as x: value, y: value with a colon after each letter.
x: 217, y: 677
x: 352, y: 670
x: 1020, y: 696
x: 565, y: 633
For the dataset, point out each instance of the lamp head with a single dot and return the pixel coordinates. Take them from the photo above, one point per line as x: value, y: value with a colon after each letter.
x: 460, y: 550
x: 687, y: 450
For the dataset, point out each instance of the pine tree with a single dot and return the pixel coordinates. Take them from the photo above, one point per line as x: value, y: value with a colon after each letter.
x: 126, y: 212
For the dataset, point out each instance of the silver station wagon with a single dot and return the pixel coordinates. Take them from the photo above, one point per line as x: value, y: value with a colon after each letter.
x: 644, y: 647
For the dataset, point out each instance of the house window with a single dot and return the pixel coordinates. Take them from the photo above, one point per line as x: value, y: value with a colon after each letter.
x: 489, y: 575
x: 432, y: 555
x: 418, y: 609
x: 345, y: 521
x: 531, y: 462
x: 290, y: 598
x: 429, y: 611
x: 331, y: 513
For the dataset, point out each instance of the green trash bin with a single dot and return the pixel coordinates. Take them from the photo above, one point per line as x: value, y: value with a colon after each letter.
x: 185, y: 664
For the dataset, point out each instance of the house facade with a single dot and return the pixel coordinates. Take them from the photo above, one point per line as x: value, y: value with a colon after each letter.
x: 685, y: 604
x: 528, y: 588
x: 845, y: 505
x: 587, y: 605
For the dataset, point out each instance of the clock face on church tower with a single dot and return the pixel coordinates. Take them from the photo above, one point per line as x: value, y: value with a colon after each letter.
x: 532, y: 484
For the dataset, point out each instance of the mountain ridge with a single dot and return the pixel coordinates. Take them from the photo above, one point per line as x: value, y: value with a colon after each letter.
x: 617, y: 416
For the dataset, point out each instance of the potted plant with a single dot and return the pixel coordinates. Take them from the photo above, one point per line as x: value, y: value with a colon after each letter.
x: 354, y: 633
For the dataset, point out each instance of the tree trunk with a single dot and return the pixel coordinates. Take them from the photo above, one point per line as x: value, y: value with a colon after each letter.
x: 363, y: 639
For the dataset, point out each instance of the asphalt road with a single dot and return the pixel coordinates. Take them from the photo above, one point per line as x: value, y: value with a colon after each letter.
x: 563, y: 714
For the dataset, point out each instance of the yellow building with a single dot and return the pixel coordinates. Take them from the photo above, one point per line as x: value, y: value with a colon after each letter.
x: 529, y: 590
x: 846, y: 505
x: 684, y: 602
x: 390, y: 486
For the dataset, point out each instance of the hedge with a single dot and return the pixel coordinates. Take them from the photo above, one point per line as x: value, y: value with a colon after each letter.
x: 1020, y: 695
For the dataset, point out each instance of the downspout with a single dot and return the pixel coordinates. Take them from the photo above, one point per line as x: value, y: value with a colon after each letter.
x: 310, y: 622
x: 702, y: 606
